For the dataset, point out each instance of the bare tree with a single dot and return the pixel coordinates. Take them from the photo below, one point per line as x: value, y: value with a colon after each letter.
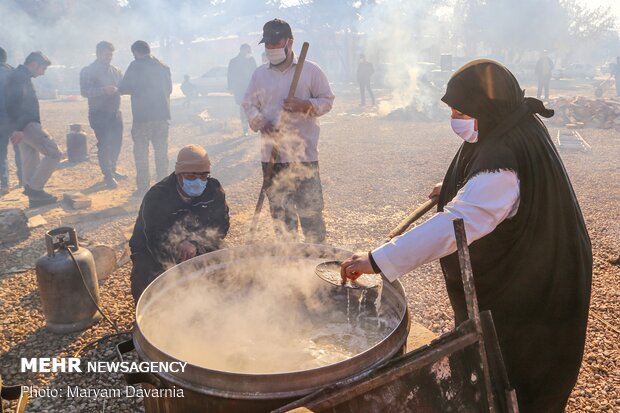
x: 510, y: 28
x: 586, y: 28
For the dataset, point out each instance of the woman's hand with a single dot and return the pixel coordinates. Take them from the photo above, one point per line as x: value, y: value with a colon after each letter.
x: 436, y: 190
x: 355, y: 266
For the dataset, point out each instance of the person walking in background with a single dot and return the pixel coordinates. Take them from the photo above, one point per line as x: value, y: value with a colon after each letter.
x: 22, y: 107
x: 294, y: 185
x: 99, y: 83
x: 544, y: 68
x: 240, y: 71
x: 149, y: 83
x: 5, y: 129
x: 365, y: 70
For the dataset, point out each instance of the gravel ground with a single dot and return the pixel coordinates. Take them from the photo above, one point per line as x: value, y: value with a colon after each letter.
x: 374, y: 172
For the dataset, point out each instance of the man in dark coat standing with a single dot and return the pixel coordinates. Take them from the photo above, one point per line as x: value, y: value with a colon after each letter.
x: 544, y: 69
x: 240, y: 71
x: 365, y: 70
x: 149, y: 83
x: 99, y: 83
x: 183, y: 216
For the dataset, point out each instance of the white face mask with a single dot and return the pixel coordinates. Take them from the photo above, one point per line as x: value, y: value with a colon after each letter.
x: 465, y: 128
x: 276, y: 56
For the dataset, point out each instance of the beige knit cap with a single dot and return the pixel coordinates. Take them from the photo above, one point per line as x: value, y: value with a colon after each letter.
x: 192, y: 158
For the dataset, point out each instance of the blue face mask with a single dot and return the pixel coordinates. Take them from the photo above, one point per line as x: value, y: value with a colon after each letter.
x: 194, y: 187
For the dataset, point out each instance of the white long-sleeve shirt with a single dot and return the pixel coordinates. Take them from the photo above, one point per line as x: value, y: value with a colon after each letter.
x: 483, y: 203
x: 263, y: 102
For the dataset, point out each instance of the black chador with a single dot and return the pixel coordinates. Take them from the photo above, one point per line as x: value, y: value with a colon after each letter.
x: 534, y: 271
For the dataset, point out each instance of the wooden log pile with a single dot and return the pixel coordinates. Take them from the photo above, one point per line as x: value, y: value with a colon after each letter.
x: 591, y: 113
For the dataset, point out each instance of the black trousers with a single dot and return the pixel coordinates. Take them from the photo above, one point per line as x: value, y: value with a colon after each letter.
x: 108, y: 127
x: 365, y: 85
x: 295, y: 195
x: 543, y: 86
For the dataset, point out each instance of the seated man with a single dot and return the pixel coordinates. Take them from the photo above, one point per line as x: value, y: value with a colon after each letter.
x: 182, y: 216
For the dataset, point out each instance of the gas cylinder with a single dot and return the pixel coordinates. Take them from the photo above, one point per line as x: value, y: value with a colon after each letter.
x: 67, y: 285
x: 77, y: 149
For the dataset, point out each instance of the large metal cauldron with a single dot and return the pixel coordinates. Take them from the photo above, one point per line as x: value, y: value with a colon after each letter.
x: 207, y: 390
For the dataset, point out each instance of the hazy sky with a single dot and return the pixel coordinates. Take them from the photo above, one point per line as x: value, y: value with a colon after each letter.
x: 615, y: 5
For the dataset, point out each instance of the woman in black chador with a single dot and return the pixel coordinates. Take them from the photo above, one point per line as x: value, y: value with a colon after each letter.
x: 529, y: 247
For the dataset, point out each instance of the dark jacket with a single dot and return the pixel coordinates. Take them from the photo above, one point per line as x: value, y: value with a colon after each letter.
x: 165, y: 220
x: 21, y: 101
x: 5, y: 72
x: 240, y: 70
x: 149, y: 83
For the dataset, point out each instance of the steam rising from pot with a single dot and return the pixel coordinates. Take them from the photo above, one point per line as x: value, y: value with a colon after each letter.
x: 261, y: 316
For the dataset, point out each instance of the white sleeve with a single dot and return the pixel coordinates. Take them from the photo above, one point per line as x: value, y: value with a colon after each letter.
x: 483, y: 203
x: 322, y: 97
x: 251, y: 104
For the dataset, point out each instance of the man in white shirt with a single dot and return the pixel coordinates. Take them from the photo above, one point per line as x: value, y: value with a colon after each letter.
x: 295, y: 192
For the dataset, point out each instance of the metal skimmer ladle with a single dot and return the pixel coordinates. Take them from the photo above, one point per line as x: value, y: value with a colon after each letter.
x: 330, y: 270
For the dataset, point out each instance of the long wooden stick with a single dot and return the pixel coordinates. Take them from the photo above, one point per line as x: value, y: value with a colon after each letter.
x: 411, y: 218
x: 268, y: 174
